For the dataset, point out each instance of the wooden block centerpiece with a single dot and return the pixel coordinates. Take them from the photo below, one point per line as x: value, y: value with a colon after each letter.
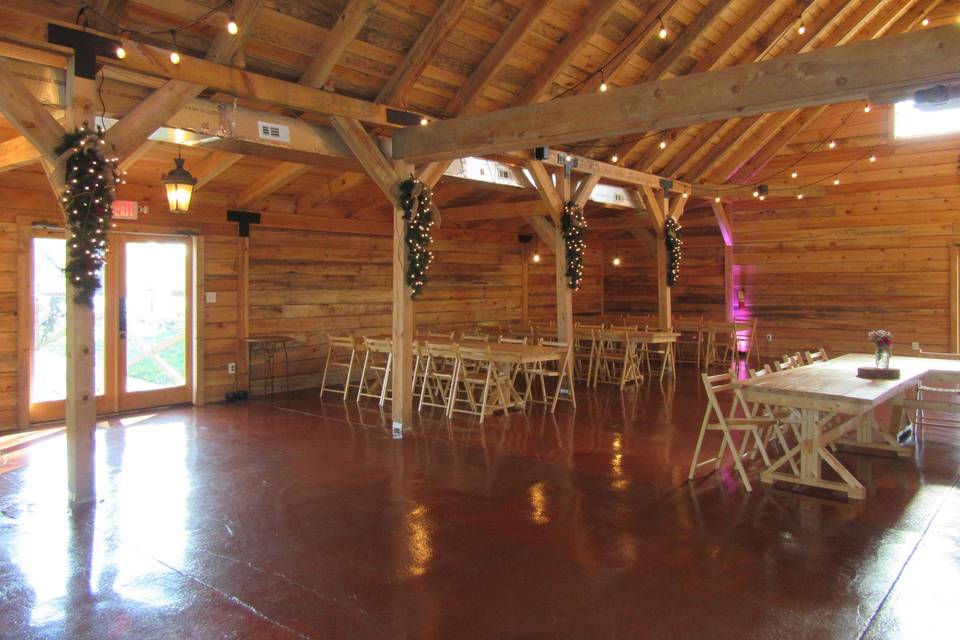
x: 878, y: 373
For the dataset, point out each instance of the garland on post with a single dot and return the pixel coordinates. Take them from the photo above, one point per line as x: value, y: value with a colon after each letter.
x: 91, y: 180
x: 418, y: 212
x: 574, y: 227
x: 673, y: 238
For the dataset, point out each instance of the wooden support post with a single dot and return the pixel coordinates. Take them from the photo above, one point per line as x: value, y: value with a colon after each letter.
x: 524, y: 285
x: 403, y: 323
x: 955, y: 298
x: 81, y: 403
x: 664, y: 310
x: 728, y: 294
x: 564, y: 292
x: 243, y: 312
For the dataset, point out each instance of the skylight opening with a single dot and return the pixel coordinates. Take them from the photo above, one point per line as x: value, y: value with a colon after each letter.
x: 911, y: 121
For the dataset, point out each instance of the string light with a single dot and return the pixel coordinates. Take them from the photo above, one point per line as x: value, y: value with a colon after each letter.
x: 867, y: 108
x: 873, y: 157
x: 603, y: 83
x: 663, y: 29
x: 418, y: 212
x: 174, y: 54
x: 926, y: 21
x: 573, y: 226
x: 800, y: 195
x: 794, y: 173
x: 232, y: 27
x: 717, y: 199
x: 802, y: 29
x: 833, y: 144
x: 616, y: 261
x: 673, y: 239
x: 120, y: 52
x: 836, y: 181
x: 424, y: 122
x: 663, y: 144
x: 614, y: 158
x: 536, y: 255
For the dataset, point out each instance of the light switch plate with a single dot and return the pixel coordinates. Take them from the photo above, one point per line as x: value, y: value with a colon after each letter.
x: 211, y: 296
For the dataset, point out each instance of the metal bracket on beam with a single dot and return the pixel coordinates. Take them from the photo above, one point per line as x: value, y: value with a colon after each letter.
x: 243, y: 219
x: 86, y: 47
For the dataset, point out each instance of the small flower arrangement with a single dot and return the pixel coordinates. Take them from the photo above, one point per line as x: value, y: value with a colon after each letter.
x: 882, y: 343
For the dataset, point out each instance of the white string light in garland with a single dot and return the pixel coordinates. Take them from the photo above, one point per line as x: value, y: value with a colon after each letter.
x: 673, y: 239
x: 418, y: 212
x: 91, y: 179
x: 574, y: 228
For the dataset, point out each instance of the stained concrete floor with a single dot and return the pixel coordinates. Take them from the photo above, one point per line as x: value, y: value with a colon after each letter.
x: 304, y: 519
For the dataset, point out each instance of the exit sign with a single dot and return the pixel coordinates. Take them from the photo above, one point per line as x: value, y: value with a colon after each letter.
x: 124, y: 209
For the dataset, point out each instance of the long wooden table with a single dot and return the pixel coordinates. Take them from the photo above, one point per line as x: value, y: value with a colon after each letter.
x: 833, y: 402
x: 508, y: 353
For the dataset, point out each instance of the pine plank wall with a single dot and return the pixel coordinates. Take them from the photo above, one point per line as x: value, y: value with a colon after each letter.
x: 820, y: 272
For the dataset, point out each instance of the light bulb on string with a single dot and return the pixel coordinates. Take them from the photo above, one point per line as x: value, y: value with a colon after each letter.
x: 873, y: 157
x: 836, y: 180
x: 120, y: 52
x: 424, y: 122
x: 232, y: 27
x: 663, y: 29
x: 833, y: 144
x: 174, y: 53
x: 867, y: 108
x: 926, y: 21
x: 536, y: 256
x: 616, y: 261
x: 800, y: 195
x: 663, y: 144
x: 614, y: 158
x: 802, y: 29
x: 717, y: 199
x: 794, y: 174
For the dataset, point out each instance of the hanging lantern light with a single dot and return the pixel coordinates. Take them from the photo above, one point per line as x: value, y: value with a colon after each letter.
x: 179, y: 184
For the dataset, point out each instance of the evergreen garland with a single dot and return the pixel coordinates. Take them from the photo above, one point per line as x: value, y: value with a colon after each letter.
x: 91, y: 179
x: 673, y: 238
x: 574, y: 227
x: 418, y: 212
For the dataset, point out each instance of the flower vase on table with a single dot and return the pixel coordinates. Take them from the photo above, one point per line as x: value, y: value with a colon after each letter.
x: 882, y: 347
x: 882, y: 344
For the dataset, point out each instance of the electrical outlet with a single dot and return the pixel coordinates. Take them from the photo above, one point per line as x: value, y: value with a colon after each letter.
x: 211, y: 297
x: 769, y: 337
x: 915, y: 346
x: 231, y: 367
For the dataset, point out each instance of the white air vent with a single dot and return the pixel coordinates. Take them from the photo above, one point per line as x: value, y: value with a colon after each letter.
x: 276, y: 132
x: 618, y: 196
x: 483, y: 171
x: 503, y: 173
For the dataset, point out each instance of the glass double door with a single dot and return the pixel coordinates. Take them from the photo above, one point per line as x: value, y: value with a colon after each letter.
x: 143, y: 326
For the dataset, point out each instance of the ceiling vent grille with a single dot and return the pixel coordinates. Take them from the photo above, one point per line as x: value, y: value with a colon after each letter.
x: 275, y: 132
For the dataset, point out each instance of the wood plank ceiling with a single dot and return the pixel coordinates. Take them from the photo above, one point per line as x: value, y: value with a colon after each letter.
x: 449, y: 57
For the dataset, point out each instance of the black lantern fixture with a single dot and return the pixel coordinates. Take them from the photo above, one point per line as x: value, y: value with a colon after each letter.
x: 179, y: 184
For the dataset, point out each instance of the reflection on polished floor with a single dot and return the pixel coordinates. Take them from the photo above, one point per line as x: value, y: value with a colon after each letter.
x: 304, y: 519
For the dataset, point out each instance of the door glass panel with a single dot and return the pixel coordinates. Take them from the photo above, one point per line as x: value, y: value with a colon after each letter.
x: 50, y: 323
x: 156, y: 315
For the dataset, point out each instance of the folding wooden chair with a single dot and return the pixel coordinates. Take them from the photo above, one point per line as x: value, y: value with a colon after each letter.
x: 689, y: 347
x: 618, y: 362
x: 559, y: 370
x: 785, y: 419
x: 477, y: 371
x: 378, y: 361
x: 586, y: 344
x: 751, y: 425
x: 936, y: 400
x: 439, y: 371
x: 341, y: 354
x: 816, y: 356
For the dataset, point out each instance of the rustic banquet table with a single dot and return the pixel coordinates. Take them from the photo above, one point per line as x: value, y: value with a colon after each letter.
x: 833, y: 402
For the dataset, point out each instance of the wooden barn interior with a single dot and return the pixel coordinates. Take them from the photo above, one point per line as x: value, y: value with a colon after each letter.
x: 658, y: 228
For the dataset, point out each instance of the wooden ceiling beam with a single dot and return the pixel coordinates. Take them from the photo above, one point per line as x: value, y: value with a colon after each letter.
x: 496, y: 211
x: 133, y: 130
x: 868, y: 21
x: 628, y: 47
x: 16, y: 153
x: 30, y: 29
x: 496, y: 58
x: 369, y: 155
x: 28, y: 116
x: 213, y: 165
x: 728, y: 41
x: 723, y: 221
x: 839, y: 74
x: 755, y: 53
x: 348, y: 25
x: 661, y: 66
x: 269, y: 182
x: 423, y: 50
x: 326, y: 192
x: 763, y: 128
x: 536, y: 89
